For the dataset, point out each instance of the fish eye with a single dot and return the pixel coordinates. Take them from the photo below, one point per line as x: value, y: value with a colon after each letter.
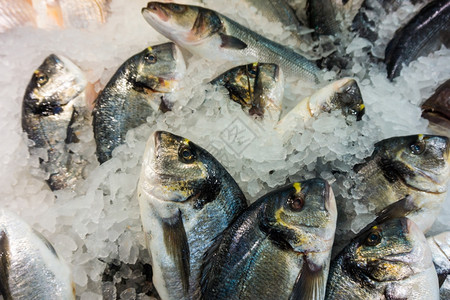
x: 41, y: 78
x: 186, y: 155
x: 296, y: 202
x: 151, y: 58
x: 418, y: 147
x: 373, y: 239
x: 176, y: 8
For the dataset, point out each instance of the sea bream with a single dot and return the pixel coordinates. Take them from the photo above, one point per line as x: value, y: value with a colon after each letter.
x: 30, y: 268
x: 142, y: 85
x: 279, y: 248
x: 186, y: 199
x: 437, y: 110
x: 415, y: 165
x: 212, y: 35
x: 53, y: 109
x: 391, y: 260
x: 257, y: 87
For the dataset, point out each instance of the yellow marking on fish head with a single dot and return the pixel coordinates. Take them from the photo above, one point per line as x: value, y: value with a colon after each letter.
x: 420, y: 137
x: 375, y: 227
x: 255, y: 64
x: 297, y: 186
x: 149, y: 48
x: 361, y: 107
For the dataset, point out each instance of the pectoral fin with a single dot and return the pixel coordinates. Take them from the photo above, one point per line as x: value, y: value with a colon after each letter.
x: 401, y: 208
x: 177, y: 246
x: 4, y: 266
x: 231, y: 42
x: 310, y: 283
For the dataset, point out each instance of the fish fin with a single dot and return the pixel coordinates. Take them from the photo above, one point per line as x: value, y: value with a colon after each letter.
x: 175, y: 240
x: 71, y: 136
x: 4, y: 266
x: 231, y: 42
x: 207, y: 266
x: 441, y: 279
x: 310, y: 283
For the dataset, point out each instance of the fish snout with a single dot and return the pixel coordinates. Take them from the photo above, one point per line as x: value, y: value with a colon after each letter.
x: 155, y: 8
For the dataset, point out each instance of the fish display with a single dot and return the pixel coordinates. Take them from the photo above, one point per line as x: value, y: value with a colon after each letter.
x: 440, y: 250
x: 30, y: 268
x: 52, y: 110
x: 211, y: 35
x: 186, y: 198
x: 437, y: 110
x: 423, y: 33
x: 343, y: 94
x: 391, y: 260
x: 279, y: 248
x: 415, y: 165
x: 141, y: 86
x: 257, y: 87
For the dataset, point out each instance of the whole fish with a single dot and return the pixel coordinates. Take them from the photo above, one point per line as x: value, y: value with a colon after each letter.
x: 140, y: 86
x: 279, y: 248
x: 391, y: 260
x: 257, y: 87
x: 431, y: 26
x: 331, y: 17
x: 52, y: 106
x: 209, y: 34
x: 30, y: 268
x: 186, y: 199
x: 437, y: 110
x: 440, y: 250
x: 343, y: 94
x: 416, y: 165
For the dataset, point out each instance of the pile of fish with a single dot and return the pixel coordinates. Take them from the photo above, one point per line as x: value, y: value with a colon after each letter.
x: 206, y: 239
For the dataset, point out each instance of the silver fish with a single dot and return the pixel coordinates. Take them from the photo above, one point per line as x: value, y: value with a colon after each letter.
x: 30, y: 268
x: 186, y: 198
x: 209, y: 34
x: 52, y: 106
x: 391, y: 260
x: 440, y: 250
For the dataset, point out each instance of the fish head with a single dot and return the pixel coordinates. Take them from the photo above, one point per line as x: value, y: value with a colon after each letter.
x: 347, y: 97
x: 393, y: 250
x: 303, y: 216
x: 176, y: 169
x: 184, y: 24
x: 269, y: 89
x: 420, y: 161
x: 160, y: 67
x: 54, y: 84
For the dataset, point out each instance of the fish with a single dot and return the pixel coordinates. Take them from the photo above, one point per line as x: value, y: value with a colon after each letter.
x: 414, y: 165
x: 257, y: 87
x: 279, y: 248
x: 141, y: 86
x: 343, y: 94
x: 186, y: 198
x: 391, y: 260
x: 30, y: 268
x: 15, y: 13
x: 331, y: 17
x: 53, y: 111
x: 437, y: 110
x: 209, y: 34
x: 440, y: 250
x: 424, y: 33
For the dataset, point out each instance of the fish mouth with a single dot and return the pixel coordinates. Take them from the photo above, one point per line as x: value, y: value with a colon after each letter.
x: 153, y: 10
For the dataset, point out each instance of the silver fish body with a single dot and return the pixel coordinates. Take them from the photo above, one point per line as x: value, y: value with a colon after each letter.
x: 139, y: 87
x: 52, y: 106
x: 186, y: 199
x: 209, y: 34
x: 440, y: 250
x: 258, y: 88
x: 30, y: 268
x: 391, y: 260
x: 279, y: 248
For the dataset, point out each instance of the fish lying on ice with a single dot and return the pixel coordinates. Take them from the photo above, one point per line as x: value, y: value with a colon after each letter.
x: 279, y: 248
x: 423, y: 33
x: 257, y: 87
x: 186, y: 198
x: 416, y: 165
x: 30, y: 268
x: 209, y: 34
x: 391, y: 260
x: 52, y: 110
x: 141, y: 85
x: 440, y: 250
x: 437, y: 110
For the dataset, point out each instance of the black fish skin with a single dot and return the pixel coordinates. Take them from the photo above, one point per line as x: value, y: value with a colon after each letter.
x: 4, y: 266
x: 408, y: 41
